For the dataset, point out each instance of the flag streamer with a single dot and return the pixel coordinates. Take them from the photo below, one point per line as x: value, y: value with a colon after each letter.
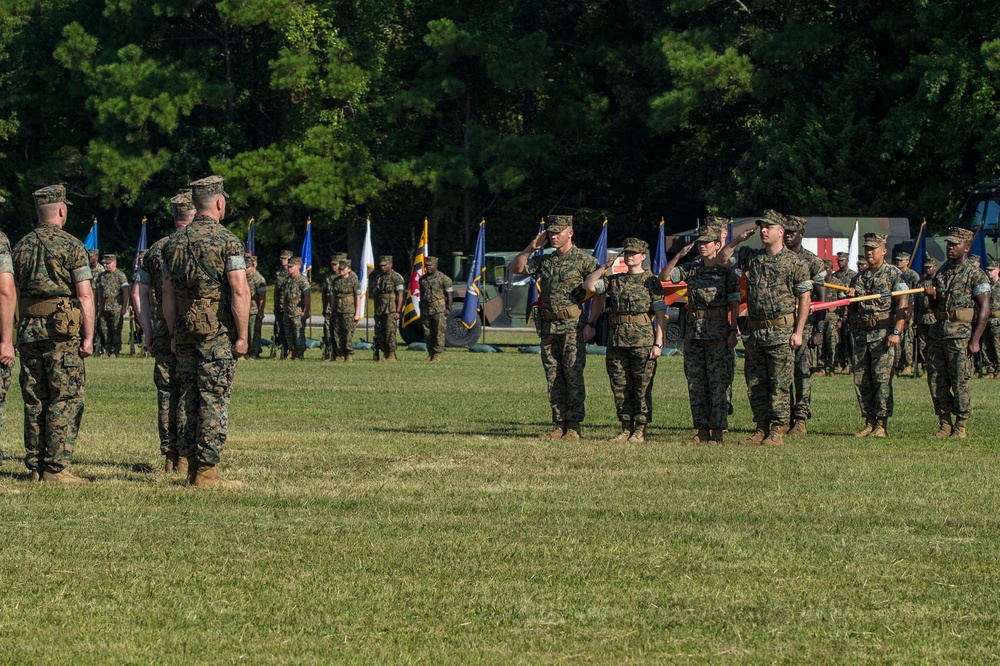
x: 477, y: 278
x: 368, y: 266
x: 411, y: 309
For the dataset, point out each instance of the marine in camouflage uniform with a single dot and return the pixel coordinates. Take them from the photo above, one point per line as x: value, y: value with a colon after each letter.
x: 345, y: 299
x: 148, y: 293
x: 258, y: 303
x: 905, y: 356
x: 842, y: 349
x: 923, y: 314
x: 296, y: 293
x: 435, y: 304
x: 112, y: 289
x: 55, y: 333
x: 7, y: 305
x: 778, y: 288
x: 960, y: 297
x: 635, y: 307
x: 206, y: 302
x: 814, y: 330
x: 991, y: 339
x: 328, y: 290
x: 710, y: 334
x: 564, y: 352
x: 278, y: 330
x: 387, y: 290
x: 877, y: 329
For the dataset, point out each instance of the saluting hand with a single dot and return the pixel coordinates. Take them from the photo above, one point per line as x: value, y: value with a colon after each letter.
x: 539, y: 241
x: 746, y: 233
x: 686, y: 249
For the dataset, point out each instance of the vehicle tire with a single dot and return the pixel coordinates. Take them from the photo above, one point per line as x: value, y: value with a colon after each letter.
x: 456, y: 334
x: 412, y: 333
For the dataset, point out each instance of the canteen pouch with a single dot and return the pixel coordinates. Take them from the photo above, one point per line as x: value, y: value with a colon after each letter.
x: 67, y: 319
x: 201, y: 318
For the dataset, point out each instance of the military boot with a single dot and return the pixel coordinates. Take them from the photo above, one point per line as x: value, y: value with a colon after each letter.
x: 625, y: 433
x: 879, y: 429
x: 182, y: 465
x: 716, y: 436
x: 699, y: 437
x: 559, y: 431
x: 208, y: 477
x: 349, y: 359
x: 798, y: 428
x: 391, y: 358
x: 867, y: 430
x: 638, y: 434
x: 959, y: 430
x: 756, y: 438
x: 34, y: 477
x: 170, y: 461
x: 945, y: 429
x: 573, y: 430
x: 192, y: 471
x: 907, y: 371
x: 62, y: 476
x: 775, y: 438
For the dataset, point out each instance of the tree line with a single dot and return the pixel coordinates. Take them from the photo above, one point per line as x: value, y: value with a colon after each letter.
x: 509, y: 109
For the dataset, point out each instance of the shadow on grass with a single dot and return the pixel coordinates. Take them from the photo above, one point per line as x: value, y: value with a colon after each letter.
x: 136, y: 468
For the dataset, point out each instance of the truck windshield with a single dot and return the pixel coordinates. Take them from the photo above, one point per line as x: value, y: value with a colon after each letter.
x: 981, y: 207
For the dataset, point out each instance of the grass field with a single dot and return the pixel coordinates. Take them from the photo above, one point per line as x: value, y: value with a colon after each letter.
x: 406, y: 513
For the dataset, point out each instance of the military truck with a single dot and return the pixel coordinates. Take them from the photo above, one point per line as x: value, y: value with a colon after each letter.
x: 980, y: 207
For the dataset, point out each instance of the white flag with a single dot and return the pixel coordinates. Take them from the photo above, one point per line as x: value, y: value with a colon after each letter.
x: 367, y: 267
x: 852, y: 252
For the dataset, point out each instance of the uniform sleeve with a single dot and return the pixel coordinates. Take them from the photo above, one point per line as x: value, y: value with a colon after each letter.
x: 818, y: 270
x: 235, y: 255
x: 981, y: 284
x: 732, y: 287
x: 6, y: 262
x: 448, y: 288
x: 534, y: 264
x: 79, y: 263
x: 801, y: 283
x: 742, y: 257
x: 678, y: 274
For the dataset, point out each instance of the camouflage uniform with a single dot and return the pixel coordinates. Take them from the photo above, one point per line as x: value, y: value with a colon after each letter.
x: 948, y: 367
x: 278, y: 333
x: 385, y: 290
x: 47, y: 265
x: 831, y: 337
x: 923, y: 315
x: 871, y: 322
x: 564, y: 353
x: 842, y: 354
x: 709, y: 363
x: 258, y: 286
x: 801, y: 385
x: 434, y: 290
x: 197, y: 260
x: 294, y: 292
x: 6, y: 371
x: 109, y: 321
x: 905, y: 357
x: 774, y: 283
x: 991, y: 338
x: 342, y: 299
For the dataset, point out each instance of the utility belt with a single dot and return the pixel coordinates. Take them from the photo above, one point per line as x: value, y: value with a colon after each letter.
x: 780, y: 321
x: 712, y: 314
x: 433, y: 304
x: 867, y: 323
x: 387, y: 297
x: 642, y: 319
x: 965, y: 315
x: 202, y: 316
x: 65, y: 312
x: 572, y: 312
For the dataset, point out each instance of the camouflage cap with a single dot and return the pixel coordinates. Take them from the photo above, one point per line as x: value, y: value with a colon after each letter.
x: 108, y: 258
x: 285, y: 254
x: 344, y: 263
x: 902, y: 256
x: 992, y: 264
x: 206, y: 186
x: 842, y: 257
x: 557, y: 223
x: 430, y: 261
x: 974, y: 258
x: 960, y: 235
x: 771, y: 217
x: 710, y: 235
x: 714, y: 221
x: 635, y: 245
x: 930, y: 261
x: 338, y: 257
x: 250, y: 260
x: 95, y: 252
x: 828, y: 263
x: 875, y: 240
x: 50, y: 195
x: 295, y: 261
x: 181, y: 201
x: 795, y: 223
x: 385, y: 260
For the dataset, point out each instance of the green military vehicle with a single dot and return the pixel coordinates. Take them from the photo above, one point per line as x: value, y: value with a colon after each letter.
x: 981, y: 207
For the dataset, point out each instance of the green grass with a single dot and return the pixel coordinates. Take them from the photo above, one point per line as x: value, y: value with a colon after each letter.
x: 406, y: 513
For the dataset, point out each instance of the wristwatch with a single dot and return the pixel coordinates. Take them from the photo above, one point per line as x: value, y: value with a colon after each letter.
x: 657, y: 344
x: 896, y: 331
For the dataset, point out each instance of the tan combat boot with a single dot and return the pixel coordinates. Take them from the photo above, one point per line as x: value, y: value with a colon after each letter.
x: 349, y: 359
x: 182, y: 465
x: 775, y: 438
x: 879, y: 430
x: 34, y: 477
x: 208, y: 477
x: 867, y: 430
x: 63, y: 476
x: 192, y: 471
x: 638, y: 434
x: 716, y: 437
x: 907, y: 371
x: 391, y: 358
x: 559, y: 431
x: 170, y: 461
x: 699, y: 437
x: 625, y: 433
x: 945, y: 430
x: 755, y: 439
x: 573, y: 430
x: 798, y: 428
x: 959, y: 431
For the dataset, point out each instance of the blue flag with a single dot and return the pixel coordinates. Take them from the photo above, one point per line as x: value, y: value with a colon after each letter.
x: 660, y: 258
x: 477, y: 278
x: 307, y: 250
x: 533, y: 282
x: 140, y: 246
x: 90, y: 242
x: 601, y: 254
x: 251, y: 241
x: 729, y: 232
x: 919, y: 251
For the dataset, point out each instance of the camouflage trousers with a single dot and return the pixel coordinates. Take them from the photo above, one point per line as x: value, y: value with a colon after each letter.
x: 564, y: 357
x: 6, y: 372
x: 948, y: 374
x: 845, y: 350
x: 385, y: 335
x: 991, y: 344
x: 921, y: 333
x: 167, y: 394
x: 328, y: 346
x: 278, y: 334
x: 295, y: 333
x: 434, y: 328
x: 873, y: 364
x: 905, y: 354
x: 802, y: 376
x: 109, y: 329
x: 709, y: 366
x: 342, y: 329
x: 769, y: 373
x: 631, y: 373
x: 256, y: 324
x: 53, y: 378
x: 831, y: 340
x: 204, y: 373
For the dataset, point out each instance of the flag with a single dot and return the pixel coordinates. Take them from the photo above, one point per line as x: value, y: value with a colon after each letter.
x: 307, y: 250
x: 852, y: 251
x: 660, y: 257
x: 729, y: 231
x: 368, y: 264
x: 140, y: 246
x: 919, y: 250
x: 251, y: 241
x: 411, y: 309
x: 534, y: 283
x: 601, y: 254
x: 477, y: 278
x: 979, y: 245
x: 90, y: 242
